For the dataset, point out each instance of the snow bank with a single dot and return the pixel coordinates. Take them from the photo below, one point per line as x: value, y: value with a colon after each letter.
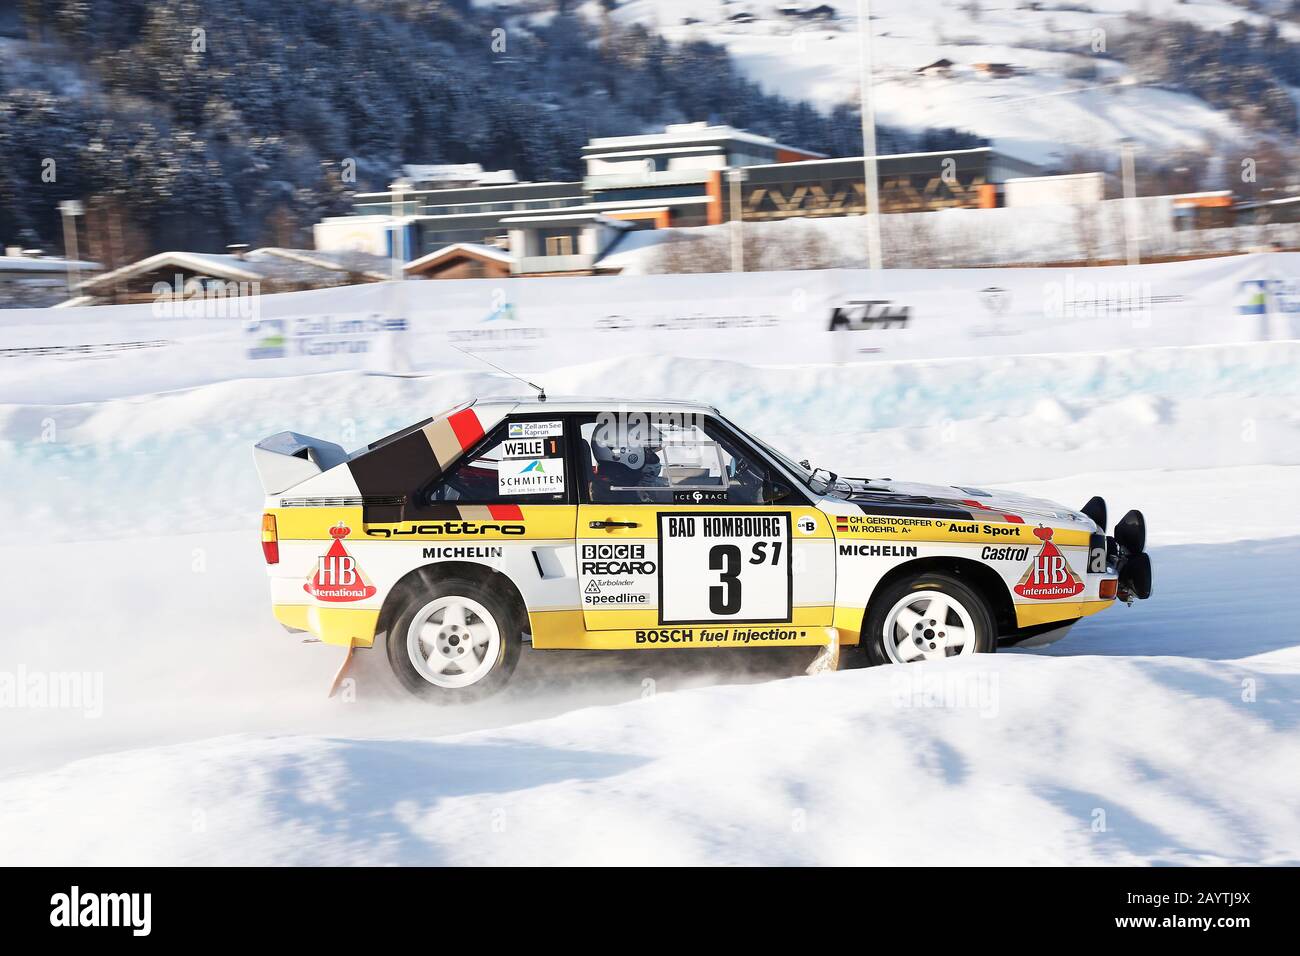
x: 180, y: 461
x: 1010, y: 759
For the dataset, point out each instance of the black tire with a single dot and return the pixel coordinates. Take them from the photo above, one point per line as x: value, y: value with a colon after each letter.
x: 975, y: 604
x: 504, y: 613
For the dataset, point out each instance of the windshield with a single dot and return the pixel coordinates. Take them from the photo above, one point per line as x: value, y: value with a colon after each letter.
x: 784, y: 459
x: 820, y: 480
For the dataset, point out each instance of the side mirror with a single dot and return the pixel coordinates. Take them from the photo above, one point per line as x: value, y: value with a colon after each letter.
x: 775, y: 493
x: 826, y: 479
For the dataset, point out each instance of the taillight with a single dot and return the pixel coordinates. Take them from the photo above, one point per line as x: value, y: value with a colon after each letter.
x: 270, y: 541
x: 1108, y: 589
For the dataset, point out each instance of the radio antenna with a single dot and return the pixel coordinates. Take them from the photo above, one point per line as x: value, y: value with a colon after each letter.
x: 541, y: 392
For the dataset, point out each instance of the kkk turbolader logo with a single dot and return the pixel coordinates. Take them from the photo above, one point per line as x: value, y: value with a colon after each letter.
x: 1050, y: 576
x: 337, y: 576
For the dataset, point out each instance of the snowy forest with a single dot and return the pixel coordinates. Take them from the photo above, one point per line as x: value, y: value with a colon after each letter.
x: 197, y: 123
x: 1248, y: 70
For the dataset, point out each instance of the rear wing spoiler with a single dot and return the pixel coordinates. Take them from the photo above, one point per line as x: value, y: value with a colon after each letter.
x: 287, y: 459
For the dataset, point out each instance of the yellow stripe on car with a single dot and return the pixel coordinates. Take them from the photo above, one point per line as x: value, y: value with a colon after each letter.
x: 564, y: 630
x: 1028, y: 615
x: 893, y: 529
x: 536, y: 521
x: 643, y: 517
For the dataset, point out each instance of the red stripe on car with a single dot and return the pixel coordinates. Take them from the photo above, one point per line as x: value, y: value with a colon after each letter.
x: 506, y: 512
x: 465, y: 425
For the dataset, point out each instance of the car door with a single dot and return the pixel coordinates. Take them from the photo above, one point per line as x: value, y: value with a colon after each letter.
x: 510, y: 503
x: 681, y: 522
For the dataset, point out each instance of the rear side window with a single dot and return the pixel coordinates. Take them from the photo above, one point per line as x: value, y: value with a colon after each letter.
x: 520, y: 462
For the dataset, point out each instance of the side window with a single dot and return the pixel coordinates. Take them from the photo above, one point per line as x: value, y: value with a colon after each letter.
x: 522, y: 462
x: 639, y: 458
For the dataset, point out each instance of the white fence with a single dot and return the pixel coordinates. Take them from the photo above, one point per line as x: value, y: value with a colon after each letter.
x: 965, y: 238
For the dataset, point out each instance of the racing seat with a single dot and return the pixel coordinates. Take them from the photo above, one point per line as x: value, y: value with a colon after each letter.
x: 611, y: 483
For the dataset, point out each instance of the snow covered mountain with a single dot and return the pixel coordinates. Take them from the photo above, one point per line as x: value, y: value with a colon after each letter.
x: 270, y: 115
x: 1041, y: 78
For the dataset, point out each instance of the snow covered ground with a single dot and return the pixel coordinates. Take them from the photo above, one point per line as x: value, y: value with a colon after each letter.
x: 1162, y: 733
x: 1039, y: 114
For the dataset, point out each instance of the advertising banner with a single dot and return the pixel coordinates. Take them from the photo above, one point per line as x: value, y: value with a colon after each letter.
x: 765, y: 318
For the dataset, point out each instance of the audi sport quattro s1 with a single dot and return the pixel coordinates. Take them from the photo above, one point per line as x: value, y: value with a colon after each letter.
x: 439, y: 550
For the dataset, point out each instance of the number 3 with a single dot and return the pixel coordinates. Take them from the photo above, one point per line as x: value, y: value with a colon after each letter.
x: 725, y: 598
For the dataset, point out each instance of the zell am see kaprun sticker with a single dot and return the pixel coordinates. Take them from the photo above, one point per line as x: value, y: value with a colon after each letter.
x: 530, y: 476
x: 535, y: 429
x: 337, y: 577
x: 1050, y: 576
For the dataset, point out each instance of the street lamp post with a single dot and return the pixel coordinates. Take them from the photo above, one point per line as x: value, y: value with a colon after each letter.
x: 70, y: 210
x: 736, y: 176
x: 392, y: 353
x: 1131, y: 225
x: 868, y: 114
x: 399, y: 236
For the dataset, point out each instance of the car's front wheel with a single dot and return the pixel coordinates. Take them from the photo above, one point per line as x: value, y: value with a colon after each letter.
x: 927, y: 617
x: 454, y: 640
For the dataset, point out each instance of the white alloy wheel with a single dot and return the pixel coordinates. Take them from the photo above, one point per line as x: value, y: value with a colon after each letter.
x: 453, y: 641
x: 928, y: 625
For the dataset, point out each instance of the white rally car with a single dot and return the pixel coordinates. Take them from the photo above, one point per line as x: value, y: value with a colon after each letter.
x: 613, y: 525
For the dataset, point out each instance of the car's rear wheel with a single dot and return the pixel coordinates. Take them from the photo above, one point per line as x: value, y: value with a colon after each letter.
x: 454, y: 640
x: 928, y: 617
